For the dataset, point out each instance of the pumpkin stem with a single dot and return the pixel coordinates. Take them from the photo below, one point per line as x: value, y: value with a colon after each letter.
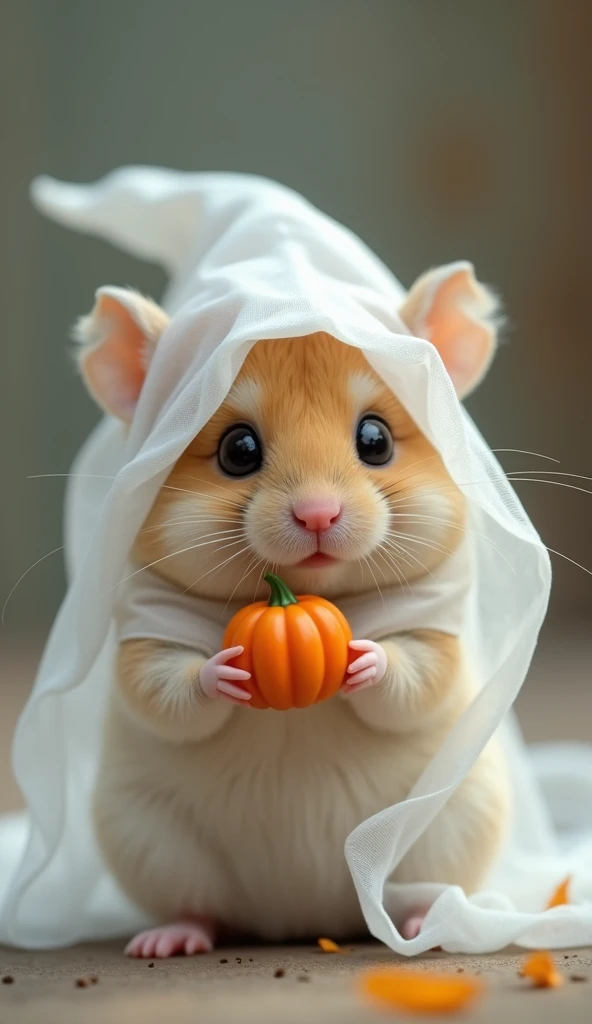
x: 281, y: 595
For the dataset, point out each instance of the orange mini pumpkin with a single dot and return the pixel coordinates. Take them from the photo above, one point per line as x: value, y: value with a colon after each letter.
x: 296, y: 648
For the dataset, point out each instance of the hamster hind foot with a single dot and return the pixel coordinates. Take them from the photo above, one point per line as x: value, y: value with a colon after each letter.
x: 411, y: 928
x: 186, y: 937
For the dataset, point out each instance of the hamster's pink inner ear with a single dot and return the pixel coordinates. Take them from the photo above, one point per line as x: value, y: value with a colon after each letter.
x: 118, y: 339
x: 450, y: 308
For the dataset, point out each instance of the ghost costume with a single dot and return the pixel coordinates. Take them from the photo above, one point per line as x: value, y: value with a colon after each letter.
x: 251, y: 260
x: 151, y: 608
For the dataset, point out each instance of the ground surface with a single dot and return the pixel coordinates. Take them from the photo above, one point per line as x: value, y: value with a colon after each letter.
x: 556, y: 702
x: 245, y: 989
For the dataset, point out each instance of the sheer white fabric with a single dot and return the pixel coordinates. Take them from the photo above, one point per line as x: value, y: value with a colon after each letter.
x: 250, y: 260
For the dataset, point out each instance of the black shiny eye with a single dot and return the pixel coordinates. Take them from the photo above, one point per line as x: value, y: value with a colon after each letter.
x: 239, y: 451
x: 374, y: 441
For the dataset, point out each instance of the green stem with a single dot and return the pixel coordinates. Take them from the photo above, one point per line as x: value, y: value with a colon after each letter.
x: 281, y: 595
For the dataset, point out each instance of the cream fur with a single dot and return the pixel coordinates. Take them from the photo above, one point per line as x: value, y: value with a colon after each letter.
x: 247, y: 822
x: 202, y: 807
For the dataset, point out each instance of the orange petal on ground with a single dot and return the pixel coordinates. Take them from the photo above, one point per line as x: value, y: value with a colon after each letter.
x: 560, y: 896
x: 421, y: 991
x: 541, y: 969
x: 328, y: 946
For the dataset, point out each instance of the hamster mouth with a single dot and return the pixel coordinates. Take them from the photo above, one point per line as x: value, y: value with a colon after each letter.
x: 316, y: 561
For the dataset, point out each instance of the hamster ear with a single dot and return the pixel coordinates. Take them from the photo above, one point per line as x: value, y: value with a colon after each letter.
x: 449, y: 307
x: 118, y: 339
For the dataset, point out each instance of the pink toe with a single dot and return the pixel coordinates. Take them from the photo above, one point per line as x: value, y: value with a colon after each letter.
x: 165, y: 946
x: 147, y: 945
x: 196, y: 944
x: 412, y: 927
x: 132, y: 948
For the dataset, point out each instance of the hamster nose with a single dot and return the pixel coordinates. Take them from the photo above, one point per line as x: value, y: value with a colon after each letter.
x: 318, y: 514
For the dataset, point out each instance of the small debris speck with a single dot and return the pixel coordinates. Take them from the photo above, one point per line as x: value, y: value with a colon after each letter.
x: 250, y: 959
x: 151, y: 964
x: 279, y: 973
x: 303, y: 977
x: 83, y: 982
x: 460, y: 970
x: 224, y: 961
x: 8, y: 979
x: 578, y: 977
x: 566, y: 956
x: 239, y: 960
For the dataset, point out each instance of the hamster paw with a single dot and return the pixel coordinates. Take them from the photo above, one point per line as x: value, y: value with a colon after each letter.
x: 368, y: 667
x: 184, y: 937
x: 220, y: 681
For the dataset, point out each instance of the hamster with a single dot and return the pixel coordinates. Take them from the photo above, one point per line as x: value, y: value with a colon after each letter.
x: 214, y: 817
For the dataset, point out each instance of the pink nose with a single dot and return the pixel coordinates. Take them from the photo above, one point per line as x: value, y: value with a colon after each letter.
x: 318, y: 514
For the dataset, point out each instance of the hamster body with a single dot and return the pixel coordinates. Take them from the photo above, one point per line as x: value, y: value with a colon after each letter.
x: 248, y: 827
x: 212, y: 815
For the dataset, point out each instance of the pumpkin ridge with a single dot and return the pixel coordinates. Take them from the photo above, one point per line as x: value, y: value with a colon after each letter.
x: 294, y: 651
x: 263, y: 644
x: 239, y: 632
x: 333, y: 630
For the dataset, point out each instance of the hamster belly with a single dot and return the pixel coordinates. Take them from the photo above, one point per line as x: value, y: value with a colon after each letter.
x: 249, y: 826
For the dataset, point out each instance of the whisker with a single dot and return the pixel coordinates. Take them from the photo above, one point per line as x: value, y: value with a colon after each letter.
x: 513, y: 476
x: 384, y: 553
x: 83, y: 476
x: 375, y: 580
x: 547, y: 472
x: 217, y: 568
x: 521, y: 451
x: 413, y: 537
x: 419, y: 518
x: 255, y: 561
x: 553, y: 483
x: 401, y: 548
x: 388, y: 494
x: 21, y: 578
x: 568, y: 559
x: 219, y: 487
x: 390, y: 534
x: 379, y: 568
x: 194, y: 493
x: 261, y: 575
x: 189, y: 522
x: 416, y: 539
x: 172, y: 554
x: 437, y: 456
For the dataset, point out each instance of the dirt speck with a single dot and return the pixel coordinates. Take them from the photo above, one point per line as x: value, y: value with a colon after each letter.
x: 578, y: 977
x: 8, y: 979
x: 280, y: 973
x: 225, y: 961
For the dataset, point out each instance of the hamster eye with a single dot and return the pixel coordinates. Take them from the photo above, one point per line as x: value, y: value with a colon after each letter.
x: 374, y: 441
x: 239, y: 451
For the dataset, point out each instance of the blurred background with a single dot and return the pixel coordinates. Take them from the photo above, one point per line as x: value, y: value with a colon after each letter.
x: 435, y: 129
